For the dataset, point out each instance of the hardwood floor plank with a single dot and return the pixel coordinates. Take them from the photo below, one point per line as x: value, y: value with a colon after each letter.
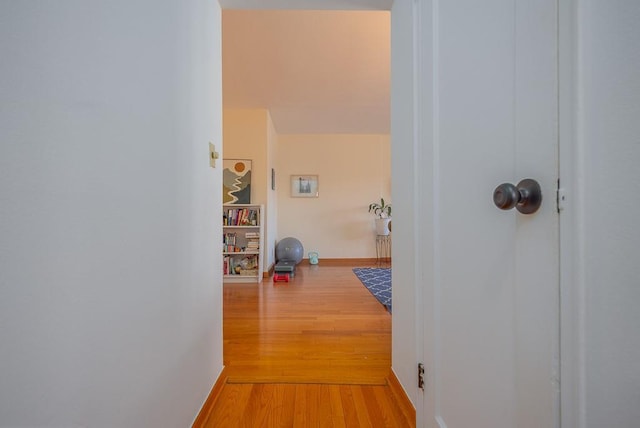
x: 381, y: 407
x: 325, y: 414
x: 337, y: 409
x: 281, y: 414
x: 349, y: 406
x: 258, y: 407
x: 391, y: 411
x: 303, y: 410
x: 230, y: 407
x: 364, y: 419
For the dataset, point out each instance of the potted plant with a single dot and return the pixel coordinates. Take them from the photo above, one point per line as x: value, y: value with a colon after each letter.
x: 383, y: 211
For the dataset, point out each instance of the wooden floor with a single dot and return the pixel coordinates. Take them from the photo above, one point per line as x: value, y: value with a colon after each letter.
x: 314, y: 352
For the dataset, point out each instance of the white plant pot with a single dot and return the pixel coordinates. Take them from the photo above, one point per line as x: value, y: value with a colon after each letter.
x: 382, y: 226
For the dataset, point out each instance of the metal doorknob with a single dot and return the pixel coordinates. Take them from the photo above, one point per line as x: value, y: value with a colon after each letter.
x: 526, y: 197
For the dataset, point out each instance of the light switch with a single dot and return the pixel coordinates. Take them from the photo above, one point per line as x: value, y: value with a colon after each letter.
x: 213, y: 155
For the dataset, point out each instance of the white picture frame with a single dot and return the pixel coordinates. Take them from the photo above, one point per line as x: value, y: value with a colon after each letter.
x: 304, y: 186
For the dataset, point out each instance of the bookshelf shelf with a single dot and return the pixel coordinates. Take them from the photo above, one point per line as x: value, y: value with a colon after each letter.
x: 243, y: 242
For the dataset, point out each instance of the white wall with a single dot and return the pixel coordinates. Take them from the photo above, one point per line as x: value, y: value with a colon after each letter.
x: 271, y: 233
x: 245, y: 137
x: 608, y: 275
x: 407, y: 230
x: 110, y: 276
x: 353, y: 170
x: 248, y: 134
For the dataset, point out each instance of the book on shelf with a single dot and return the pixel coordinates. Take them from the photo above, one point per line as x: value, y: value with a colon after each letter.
x: 229, y: 242
x: 240, y: 217
x: 245, y: 266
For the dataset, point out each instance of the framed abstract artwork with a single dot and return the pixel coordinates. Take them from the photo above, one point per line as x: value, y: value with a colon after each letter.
x: 236, y: 181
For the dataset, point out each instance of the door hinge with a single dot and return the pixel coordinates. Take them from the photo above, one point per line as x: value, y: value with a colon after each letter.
x: 421, y: 376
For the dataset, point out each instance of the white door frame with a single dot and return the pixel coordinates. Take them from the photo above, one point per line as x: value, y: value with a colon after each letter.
x: 571, y: 255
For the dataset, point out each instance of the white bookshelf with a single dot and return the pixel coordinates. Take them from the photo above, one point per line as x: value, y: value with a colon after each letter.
x: 242, y: 242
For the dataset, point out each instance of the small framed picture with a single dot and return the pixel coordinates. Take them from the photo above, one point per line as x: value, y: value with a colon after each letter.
x: 304, y: 186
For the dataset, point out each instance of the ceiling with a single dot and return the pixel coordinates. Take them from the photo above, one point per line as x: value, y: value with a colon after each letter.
x: 317, y: 72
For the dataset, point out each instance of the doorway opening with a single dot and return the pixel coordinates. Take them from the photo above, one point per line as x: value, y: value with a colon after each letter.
x: 307, y: 92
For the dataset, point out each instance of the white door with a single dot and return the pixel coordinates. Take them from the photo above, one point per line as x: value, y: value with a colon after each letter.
x: 491, y: 302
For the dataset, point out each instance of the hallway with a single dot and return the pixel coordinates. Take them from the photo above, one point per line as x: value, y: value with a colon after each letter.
x: 312, y: 352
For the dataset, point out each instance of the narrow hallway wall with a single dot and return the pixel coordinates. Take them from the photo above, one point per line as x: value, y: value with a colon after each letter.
x: 110, y: 276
